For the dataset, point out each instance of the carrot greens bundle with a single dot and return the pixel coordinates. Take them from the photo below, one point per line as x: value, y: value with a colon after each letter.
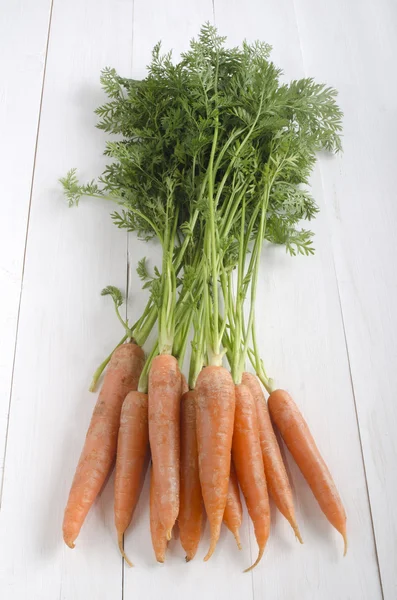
x: 212, y: 158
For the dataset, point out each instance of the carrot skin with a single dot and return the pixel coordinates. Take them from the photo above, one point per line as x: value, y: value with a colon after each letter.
x: 300, y: 442
x: 164, y: 434
x: 191, y: 515
x: 247, y: 458
x: 233, y: 515
x: 157, y: 530
x: 132, y: 451
x: 99, y: 451
x: 277, y: 480
x: 215, y: 416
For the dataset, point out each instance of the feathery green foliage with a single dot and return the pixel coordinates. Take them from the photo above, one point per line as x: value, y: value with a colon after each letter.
x: 213, y: 156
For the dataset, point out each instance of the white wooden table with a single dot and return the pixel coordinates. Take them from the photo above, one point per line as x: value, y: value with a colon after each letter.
x: 329, y: 325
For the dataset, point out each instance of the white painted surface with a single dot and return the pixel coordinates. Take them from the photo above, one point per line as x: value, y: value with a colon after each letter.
x: 23, y: 41
x: 356, y: 52
x: 65, y: 327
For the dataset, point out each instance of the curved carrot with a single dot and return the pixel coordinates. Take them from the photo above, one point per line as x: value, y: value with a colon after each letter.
x: 190, y: 517
x: 132, y: 450
x: 99, y: 449
x: 247, y: 458
x: 157, y: 529
x: 233, y: 515
x: 276, y: 475
x: 164, y: 434
x: 215, y: 416
x: 296, y: 434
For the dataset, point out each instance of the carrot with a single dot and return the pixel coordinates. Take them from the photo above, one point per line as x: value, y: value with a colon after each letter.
x: 190, y: 517
x: 276, y: 475
x: 247, y: 458
x: 99, y: 449
x: 296, y: 434
x: 185, y: 387
x: 164, y: 434
x: 132, y: 450
x: 233, y: 514
x: 157, y: 529
x: 215, y: 416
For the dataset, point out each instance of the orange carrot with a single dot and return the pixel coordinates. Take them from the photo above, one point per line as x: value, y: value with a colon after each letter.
x: 190, y: 517
x: 233, y: 515
x: 157, y: 529
x: 99, y: 450
x: 296, y: 434
x: 215, y: 416
x: 247, y: 458
x: 132, y: 451
x: 276, y: 475
x: 164, y: 434
x: 185, y: 387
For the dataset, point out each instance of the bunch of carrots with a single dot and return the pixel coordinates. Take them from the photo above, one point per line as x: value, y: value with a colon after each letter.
x: 213, y: 159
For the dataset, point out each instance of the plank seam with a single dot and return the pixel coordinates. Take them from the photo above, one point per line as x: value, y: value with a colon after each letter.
x: 128, y: 266
x: 359, y: 431
x: 122, y: 575
x: 354, y: 399
x: 25, y: 249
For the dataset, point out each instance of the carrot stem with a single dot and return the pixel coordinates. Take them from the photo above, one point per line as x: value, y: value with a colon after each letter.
x: 143, y: 380
x: 103, y: 365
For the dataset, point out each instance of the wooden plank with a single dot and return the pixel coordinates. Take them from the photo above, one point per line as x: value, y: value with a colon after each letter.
x: 23, y: 40
x: 302, y: 340
x: 359, y: 190
x: 66, y: 328
x: 175, y: 23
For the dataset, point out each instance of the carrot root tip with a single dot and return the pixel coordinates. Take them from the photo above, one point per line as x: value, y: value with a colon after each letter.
x: 297, y: 533
x: 70, y: 544
x: 345, y: 544
x: 261, y: 551
x: 210, y: 551
x: 169, y: 535
x: 238, y: 541
x: 121, y: 548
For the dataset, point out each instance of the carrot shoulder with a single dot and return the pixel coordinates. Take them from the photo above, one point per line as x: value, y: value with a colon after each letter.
x: 99, y: 449
x: 247, y: 458
x: 215, y: 416
x: 276, y: 475
x: 164, y: 434
x: 296, y: 434
x: 132, y: 453
x: 233, y: 515
x: 191, y: 515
